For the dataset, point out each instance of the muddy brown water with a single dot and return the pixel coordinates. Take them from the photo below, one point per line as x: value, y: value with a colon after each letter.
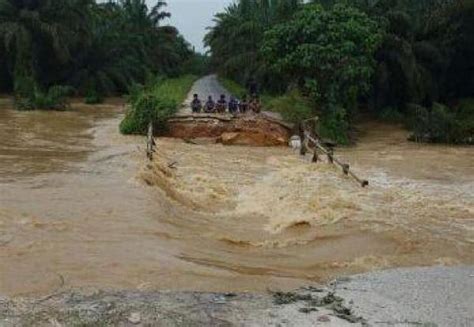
x: 79, y: 202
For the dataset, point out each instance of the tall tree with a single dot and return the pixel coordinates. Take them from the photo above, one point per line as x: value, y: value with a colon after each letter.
x: 36, y: 30
x: 236, y: 38
x: 98, y: 48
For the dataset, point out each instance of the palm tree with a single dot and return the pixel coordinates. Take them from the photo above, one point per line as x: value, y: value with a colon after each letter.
x: 34, y: 29
x: 238, y: 32
x: 157, y: 14
x: 128, y: 45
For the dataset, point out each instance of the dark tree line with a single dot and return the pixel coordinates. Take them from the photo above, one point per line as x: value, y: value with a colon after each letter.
x: 398, y: 58
x: 94, y: 49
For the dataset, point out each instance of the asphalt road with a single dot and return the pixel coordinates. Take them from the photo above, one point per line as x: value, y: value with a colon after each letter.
x: 208, y: 85
x: 434, y: 296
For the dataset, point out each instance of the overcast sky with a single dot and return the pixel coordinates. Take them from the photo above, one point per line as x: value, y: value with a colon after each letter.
x: 192, y: 17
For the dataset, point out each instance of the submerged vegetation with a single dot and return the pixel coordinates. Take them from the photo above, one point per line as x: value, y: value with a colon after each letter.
x: 157, y: 101
x: 404, y: 61
x: 93, y: 48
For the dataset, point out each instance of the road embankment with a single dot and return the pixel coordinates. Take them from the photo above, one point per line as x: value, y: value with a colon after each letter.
x: 254, y: 130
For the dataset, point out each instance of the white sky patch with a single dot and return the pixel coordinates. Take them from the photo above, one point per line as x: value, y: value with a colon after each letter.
x: 192, y: 17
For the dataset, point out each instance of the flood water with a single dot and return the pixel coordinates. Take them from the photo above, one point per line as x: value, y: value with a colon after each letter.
x: 79, y: 202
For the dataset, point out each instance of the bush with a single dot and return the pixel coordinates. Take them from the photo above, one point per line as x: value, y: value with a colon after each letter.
x: 292, y: 107
x: 234, y: 88
x: 147, y: 107
x: 93, y: 97
x: 54, y: 99
x: 334, y: 125
x: 391, y: 115
x: 442, y: 124
x: 466, y: 118
x: 156, y: 102
x: 418, y: 122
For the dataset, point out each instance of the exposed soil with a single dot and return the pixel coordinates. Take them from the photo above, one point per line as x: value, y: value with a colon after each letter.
x: 255, y: 130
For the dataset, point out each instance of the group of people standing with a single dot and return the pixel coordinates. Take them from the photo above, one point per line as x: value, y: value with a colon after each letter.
x: 232, y: 106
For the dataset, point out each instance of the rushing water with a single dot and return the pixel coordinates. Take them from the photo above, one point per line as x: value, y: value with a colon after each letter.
x: 78, y: 201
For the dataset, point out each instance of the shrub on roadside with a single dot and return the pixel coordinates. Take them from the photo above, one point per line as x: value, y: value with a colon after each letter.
x: 145, y: 108
x: 234, y: 88
x: 157, y: 102
x: 292, y: 107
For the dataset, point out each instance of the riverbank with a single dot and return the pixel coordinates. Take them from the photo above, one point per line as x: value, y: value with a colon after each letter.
x: 436, y: 296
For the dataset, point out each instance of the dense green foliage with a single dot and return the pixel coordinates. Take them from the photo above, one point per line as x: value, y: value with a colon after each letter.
x: 329, y: 54
x: 55, y: 99
x: 97, y: 48
x: 157, y: 101
x: 386, y: 56
x: 442, y: 124
x: 236, y: 38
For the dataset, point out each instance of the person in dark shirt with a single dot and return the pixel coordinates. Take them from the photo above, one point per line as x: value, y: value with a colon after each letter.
x: 244, y: 105
x: 233, y: 105
x: 210, y: 106
x: 196, y: 104
x: 222, y: 104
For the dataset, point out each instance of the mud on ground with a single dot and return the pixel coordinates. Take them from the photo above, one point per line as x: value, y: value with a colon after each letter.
x: 306, y: 307
x: 428, y: 297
